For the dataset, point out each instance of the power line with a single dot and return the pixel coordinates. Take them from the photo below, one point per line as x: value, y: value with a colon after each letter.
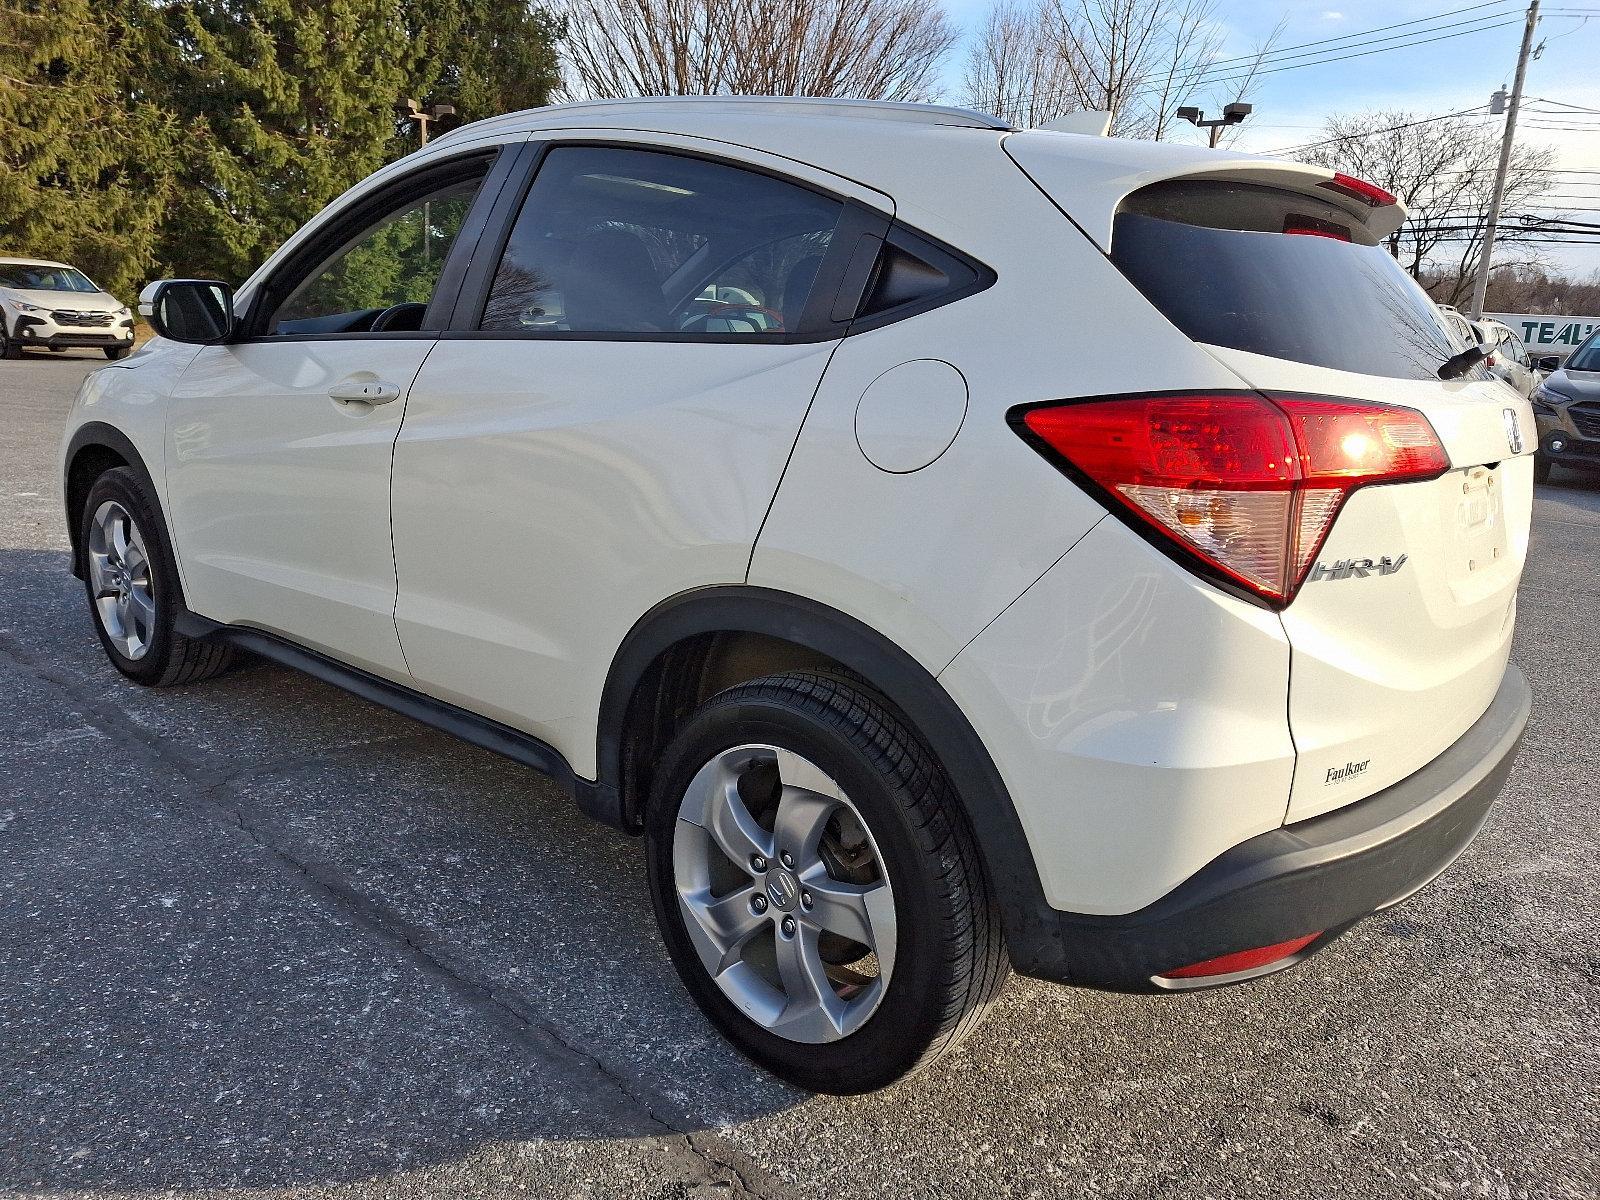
x: 1275, y: 57
x: 1443, y: 37
x: 1562, y: 104
x: 1369, y: 132
x: 1454, y: 12
x: 1224, y: 72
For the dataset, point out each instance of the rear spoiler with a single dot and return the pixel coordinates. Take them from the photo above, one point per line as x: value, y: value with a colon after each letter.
x: 1089, y: 179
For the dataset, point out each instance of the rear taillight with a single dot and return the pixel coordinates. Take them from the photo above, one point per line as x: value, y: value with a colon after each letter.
x: 1241, y: 485
x: 1358, y: 189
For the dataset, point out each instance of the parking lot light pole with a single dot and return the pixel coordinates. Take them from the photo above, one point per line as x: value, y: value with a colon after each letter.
x: 412, y: 111
x: 1480, y: 289
x: 1232, y: 114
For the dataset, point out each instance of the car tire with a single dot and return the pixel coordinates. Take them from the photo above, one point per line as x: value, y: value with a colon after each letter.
x: 131, y: 580
x: 1541, y: 469
x: 8, y: 348
x: 116, y: 353
x: 883, y: 859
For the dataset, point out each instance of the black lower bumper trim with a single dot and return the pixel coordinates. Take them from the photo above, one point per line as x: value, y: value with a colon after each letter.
x: 1325, y: 873
x: 78, y: 340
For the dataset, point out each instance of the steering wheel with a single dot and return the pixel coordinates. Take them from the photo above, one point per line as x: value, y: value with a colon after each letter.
x: 766, y: 320
x: 393, y: 316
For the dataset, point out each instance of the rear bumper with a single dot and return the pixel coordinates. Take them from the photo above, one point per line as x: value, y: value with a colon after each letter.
x: 1316, y: 876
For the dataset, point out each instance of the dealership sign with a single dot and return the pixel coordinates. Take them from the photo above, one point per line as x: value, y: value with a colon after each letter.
x: 1545, y: 334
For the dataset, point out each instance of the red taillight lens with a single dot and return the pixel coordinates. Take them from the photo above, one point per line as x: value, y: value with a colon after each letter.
x: 1246, y: 484
x: 1313, y: 227
x: 1360, y: 189
x: 1244, y: 960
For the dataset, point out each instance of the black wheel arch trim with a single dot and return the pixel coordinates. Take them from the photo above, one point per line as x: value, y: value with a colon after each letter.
x: 890, y: 670
x: 109, y: 437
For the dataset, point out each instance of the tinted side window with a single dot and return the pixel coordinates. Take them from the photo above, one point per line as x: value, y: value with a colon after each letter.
x: 614, y: 240
x: 913, y: 274
x: 395, y: 260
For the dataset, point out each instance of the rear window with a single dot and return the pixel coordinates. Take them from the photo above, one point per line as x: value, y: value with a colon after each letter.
x: 1277, y: 273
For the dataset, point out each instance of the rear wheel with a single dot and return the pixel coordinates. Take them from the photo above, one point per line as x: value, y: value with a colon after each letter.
x: 817, y: 886
x: 132, y: 584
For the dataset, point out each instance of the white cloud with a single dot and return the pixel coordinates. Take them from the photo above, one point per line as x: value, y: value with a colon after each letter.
x: 1333, y: 15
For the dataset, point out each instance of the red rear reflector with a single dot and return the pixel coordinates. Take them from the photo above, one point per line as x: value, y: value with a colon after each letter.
x: 1244, y: 960
x: 1245, y: 486
x: 1367, y: 193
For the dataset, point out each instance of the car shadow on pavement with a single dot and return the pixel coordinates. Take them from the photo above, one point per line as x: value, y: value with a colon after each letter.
x: 256, y: 932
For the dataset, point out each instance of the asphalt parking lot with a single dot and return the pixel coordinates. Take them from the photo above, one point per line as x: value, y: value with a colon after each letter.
x: 259, y: 937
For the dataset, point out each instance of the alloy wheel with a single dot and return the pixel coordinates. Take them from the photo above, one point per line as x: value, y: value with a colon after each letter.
x: 119, y: 576
x: 784, y: 893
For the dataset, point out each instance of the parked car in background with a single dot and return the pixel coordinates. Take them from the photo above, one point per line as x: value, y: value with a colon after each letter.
x: 724, y: 459
x: 51, y: 306
x: 1458, y: 325
x: 1566, y: 408
x: 1508, y: 358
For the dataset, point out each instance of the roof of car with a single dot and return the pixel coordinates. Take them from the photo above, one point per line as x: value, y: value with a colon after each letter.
x: 720, y: 108
x: 9, y: 261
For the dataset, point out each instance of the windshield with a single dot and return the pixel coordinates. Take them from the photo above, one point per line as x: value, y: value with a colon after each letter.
x: 1277, y: 273
x: 44, y: 279
x: 1587, y: 356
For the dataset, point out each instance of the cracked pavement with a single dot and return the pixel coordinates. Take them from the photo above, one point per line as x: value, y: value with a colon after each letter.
x: 261, y: 938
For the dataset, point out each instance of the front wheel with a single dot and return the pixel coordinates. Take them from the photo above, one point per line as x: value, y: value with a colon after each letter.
x: 132, y: 582
x: 817, y: 885
x: 8, y: 347
x: 1541, y: 469
x: 117, y: 352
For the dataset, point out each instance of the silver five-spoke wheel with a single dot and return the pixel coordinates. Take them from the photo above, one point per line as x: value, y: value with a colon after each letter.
x: 784, y: 894
x: 119, y: 575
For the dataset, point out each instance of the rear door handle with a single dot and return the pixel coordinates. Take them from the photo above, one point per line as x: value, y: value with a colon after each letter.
x: 364, y: 391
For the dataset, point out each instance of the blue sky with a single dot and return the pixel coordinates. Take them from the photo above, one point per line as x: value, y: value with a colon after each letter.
x: 1443, y: 77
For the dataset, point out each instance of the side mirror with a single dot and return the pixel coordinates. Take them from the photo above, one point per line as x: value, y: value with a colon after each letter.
x: 197, y: 311
x: 1549, y: 362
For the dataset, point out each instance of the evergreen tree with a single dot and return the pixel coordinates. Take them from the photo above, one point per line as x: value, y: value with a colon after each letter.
x: 86, y: 159
x: 489, y: 57
x: 286, y: 103
x: 191, y: 137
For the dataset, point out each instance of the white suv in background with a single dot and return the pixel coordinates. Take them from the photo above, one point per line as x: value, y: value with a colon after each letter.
x: 726, y: 459
x: 52, y: 306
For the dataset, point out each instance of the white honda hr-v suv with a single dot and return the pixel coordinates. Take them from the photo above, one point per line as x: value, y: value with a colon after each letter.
x: 737, y: 463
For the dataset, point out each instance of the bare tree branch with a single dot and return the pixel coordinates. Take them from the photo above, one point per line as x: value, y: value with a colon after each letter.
x: 881, y: 49
x: 1443, y: 171
x: 1035, y: 60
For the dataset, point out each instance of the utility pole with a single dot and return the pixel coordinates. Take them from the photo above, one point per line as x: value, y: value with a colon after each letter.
x: 1481, y: 288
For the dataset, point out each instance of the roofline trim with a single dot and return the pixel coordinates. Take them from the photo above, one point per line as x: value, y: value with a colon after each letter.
x: 828, y: 106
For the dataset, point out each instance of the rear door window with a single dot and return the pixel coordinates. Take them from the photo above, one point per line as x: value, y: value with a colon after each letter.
x: 1277, y: 273
x: 614, y: 240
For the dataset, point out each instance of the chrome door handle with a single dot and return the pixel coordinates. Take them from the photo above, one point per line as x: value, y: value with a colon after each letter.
x: 364, y: 391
